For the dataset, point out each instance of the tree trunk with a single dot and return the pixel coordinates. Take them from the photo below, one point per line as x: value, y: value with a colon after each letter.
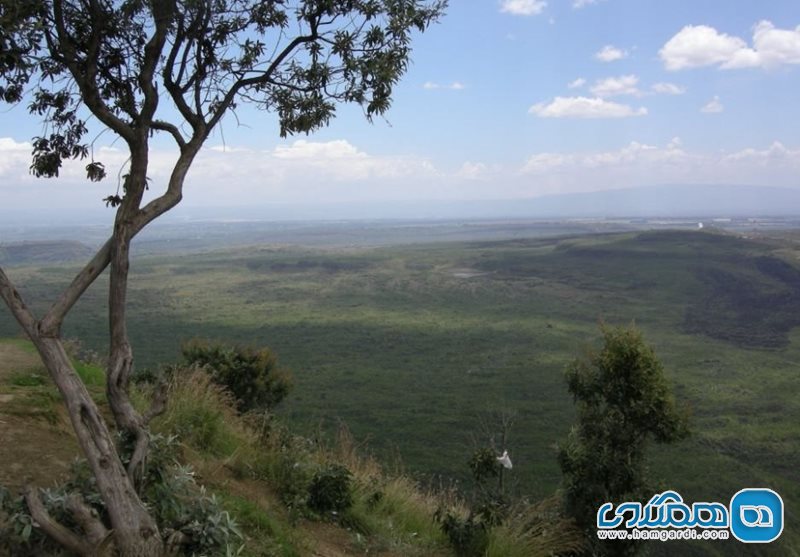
x: 135, y: 532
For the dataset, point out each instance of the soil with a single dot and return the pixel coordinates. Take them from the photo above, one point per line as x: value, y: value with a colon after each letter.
x: 36, y: 448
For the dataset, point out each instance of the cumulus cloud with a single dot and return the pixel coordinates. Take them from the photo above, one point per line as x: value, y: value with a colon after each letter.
x: 668, y: 89
x: 578, y: 4
x: 523, y: 7
x: 584, y: 107
x: 616, y: 86
x: 610, y: 53
x: 776, y: 154
x: 290, y: 172
x: 638, y: 164
x: 697, y: 46
x: 635, y: 152
x: 14, y: 157
x: 714, y: 106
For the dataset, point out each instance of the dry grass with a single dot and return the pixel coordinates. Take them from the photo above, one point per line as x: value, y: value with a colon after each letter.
x: 536, y: 530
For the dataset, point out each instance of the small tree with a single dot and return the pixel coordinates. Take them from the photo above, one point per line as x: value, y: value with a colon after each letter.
x: 251, y: 374
x: 177, y: 67
x: 623, y: 401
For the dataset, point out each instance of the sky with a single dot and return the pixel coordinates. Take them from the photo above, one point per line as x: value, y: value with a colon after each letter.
x: 510, y: 99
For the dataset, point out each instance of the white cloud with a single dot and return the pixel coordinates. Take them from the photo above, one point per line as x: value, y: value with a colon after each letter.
x: 584, y: 107
x: 522, y: 7
x: 578, y: 4
x: 610, y: 53
x: 668, y: 89
x: 714, y: 106
x: 576, y: 84
x: 775, y: 155
x: 473, y: 171
x: 432, y: 85
x: 292, y: 172
x: 697, y: 46
x: 640, y: 164
x: 14, y: 158
x: 675, y: 143
x: 633, y: 153
x: 616, y: 86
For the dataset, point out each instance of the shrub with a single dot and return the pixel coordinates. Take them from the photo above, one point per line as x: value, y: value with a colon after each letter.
x: 330, y: 490
x: 250, y: 374
x: 468, y: 535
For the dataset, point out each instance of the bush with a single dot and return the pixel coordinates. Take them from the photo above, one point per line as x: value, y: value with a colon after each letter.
x: 469, y: 536
x: 330, y: 490
x: 250, y: 374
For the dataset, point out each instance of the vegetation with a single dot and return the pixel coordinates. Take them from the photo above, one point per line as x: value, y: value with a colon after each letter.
x: 409, y: 350
x: 112, y: 62
x: 250, y: 374
x: 623, y: 402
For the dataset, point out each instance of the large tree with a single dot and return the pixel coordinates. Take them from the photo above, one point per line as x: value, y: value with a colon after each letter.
x: 623, y: 402
x: 175, y: 67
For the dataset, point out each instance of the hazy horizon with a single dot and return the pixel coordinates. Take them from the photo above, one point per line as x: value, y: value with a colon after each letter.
x: 670, y: 201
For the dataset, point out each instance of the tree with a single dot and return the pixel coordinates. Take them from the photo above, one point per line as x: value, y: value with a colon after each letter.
x: 175, y: 67
x: 623, y: 401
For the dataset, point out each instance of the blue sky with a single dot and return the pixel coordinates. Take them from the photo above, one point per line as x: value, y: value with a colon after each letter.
x: 522, y: 98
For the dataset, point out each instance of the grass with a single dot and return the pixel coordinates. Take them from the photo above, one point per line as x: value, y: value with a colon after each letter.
x: 412, y: 345
x: 253, y: 473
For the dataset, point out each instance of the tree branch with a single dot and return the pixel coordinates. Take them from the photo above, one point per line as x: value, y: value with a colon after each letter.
x: 51, y: 322
x: 89, y: 93
x: 264, y: 77
x: 16, y: 304
x: 89, y: 521
x: 57, y: 531
x: 163, y: 12
x: 171, y: 129
x: 174, y: 193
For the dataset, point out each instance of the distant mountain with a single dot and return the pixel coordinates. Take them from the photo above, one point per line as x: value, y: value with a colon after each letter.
x: 654, y: 201
x: 21, y: 253
x: 672, y: 201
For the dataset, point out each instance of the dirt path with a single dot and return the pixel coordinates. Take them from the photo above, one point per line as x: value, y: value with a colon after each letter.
x: 36, y: 442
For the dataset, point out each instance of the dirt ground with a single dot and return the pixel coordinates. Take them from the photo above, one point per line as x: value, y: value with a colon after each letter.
x: 36, y: 444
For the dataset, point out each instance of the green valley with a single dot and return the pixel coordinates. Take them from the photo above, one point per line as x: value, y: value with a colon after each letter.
x: 412, y: 346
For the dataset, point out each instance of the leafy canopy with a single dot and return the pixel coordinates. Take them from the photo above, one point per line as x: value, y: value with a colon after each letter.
x: 179, y: 66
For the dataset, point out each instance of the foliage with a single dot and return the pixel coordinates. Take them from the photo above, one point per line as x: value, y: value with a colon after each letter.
x: 372, y: 342
x: 468, y: 535
x: 484, y: 465
x: 251, y: 374
x: 182, y: 507
x: 115, y: 64
x: 623, y: 400
x: 330, y: 490
x: 209, y: 56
